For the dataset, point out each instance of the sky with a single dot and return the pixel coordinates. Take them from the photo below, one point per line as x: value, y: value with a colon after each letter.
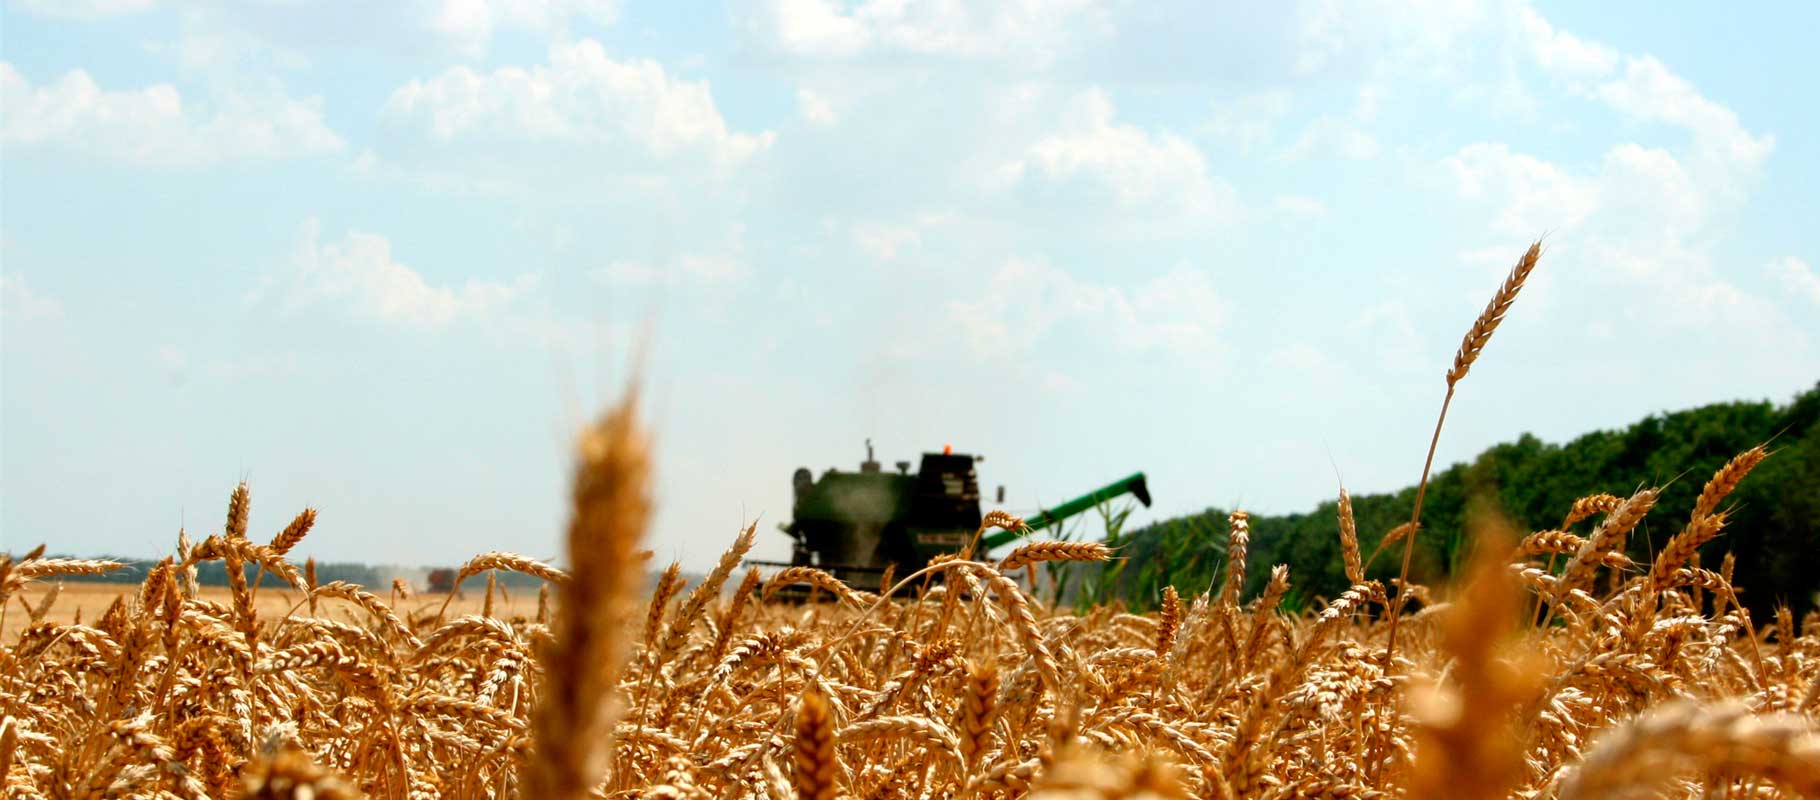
x: 385, y: 259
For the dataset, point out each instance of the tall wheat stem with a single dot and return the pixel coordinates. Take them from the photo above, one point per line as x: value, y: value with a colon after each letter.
x: 1415, y: 527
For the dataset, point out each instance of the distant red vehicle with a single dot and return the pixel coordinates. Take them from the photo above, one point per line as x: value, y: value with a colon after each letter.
x: 442, y: 580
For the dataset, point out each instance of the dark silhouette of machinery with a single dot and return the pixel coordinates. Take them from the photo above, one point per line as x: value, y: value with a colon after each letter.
x: 855, y: 524
x: 441, y: 581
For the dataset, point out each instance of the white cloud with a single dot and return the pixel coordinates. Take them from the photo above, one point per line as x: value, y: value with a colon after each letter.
x: 1631, y: 218
x: 1637, y: 191
x: 810, y: 27
x: 1531, y: 195
x: 153, y: 126
x: 580, y: 96
x: 1655, y: 186
x: 1034, y: 31
x: 1798, y: 276
x: 82, y: 9
x: 1177, y: 312
x: 1642, y: 88
x: 1140, y: 168
x: 20, y: 303
x: 1649, y: 91
x: 471, y: 23
x: 815, y: 108
x: 1638, y: 222
x: 360, y: 273
x: 1296, y: 205
x: 1563, y: 54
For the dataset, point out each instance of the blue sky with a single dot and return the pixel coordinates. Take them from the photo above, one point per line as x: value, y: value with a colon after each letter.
x: 384, y: 262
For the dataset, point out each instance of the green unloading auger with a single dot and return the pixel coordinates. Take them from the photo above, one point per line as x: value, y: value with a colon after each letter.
x: 1132, y: 484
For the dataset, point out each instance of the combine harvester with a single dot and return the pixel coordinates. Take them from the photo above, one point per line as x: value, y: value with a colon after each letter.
x: 854, y: 525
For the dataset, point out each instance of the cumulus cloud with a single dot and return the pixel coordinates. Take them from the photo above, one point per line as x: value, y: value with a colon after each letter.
x: 1138, y: 167
x: 1638, y: 221
x: 1644, y: 89
x: 1635, y: 218
x: 1637, y: 188
x: 1529, y: 194
x: 809, y: 27
x: 1563, y: 54
x: 155, y: 127
x: 1024, y: 301
x: 1648, y: 91
x: 581, y: 96
x: 360, y: 274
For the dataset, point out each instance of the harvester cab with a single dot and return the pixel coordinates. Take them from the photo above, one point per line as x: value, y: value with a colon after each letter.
x: 856, y: 524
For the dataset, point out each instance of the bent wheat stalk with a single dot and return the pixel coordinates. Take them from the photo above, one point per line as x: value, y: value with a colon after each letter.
x: 1471, y: 347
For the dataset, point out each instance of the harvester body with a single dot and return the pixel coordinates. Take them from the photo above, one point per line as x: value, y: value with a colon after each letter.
x: 856, y: 524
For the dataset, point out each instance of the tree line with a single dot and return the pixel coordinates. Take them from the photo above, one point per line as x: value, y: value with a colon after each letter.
x: 1773, y: 530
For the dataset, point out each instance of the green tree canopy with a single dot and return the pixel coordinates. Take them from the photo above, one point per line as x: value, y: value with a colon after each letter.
x: 1774, y: 529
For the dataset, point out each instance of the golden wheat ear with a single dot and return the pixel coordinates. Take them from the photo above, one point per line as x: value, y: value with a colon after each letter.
x: 1349, y: 541
x: 1482, y: 328
x: 816, y: 769
x: 610, y: 506
x: 1683, y: 736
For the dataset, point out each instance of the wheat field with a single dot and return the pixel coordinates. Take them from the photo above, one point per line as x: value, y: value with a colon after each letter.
x: 1554, y: 667
x: 77, y: 601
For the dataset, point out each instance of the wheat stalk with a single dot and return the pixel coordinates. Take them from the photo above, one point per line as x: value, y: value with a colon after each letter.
x: 1471, y: 346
